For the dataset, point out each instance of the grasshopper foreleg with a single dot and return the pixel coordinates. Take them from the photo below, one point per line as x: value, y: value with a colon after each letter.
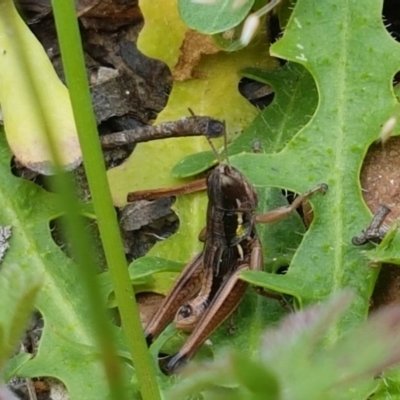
x: 281, y: 212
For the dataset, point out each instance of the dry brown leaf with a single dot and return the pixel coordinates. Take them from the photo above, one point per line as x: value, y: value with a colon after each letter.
x: 148, y: 303
x: 193, y: 47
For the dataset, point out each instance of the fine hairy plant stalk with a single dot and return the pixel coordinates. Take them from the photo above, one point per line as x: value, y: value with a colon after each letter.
x: 72, y: 55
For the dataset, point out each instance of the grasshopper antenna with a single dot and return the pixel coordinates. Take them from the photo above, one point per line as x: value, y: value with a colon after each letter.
x: 226, y: 145
x: 218, y: 155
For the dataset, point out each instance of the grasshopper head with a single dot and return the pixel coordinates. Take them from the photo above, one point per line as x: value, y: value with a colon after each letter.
x: 231, y: 188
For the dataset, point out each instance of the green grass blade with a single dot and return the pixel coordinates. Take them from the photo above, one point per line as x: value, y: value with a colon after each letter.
x: 75, y: 72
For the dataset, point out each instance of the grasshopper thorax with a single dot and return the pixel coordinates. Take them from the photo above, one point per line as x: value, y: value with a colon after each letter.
x: 235, y: 201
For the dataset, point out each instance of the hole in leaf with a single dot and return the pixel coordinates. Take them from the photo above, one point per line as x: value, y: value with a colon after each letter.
x: 18, y: 170
x: 33, y: 334
x: 391, y: 18
x: 282, y: 270
x: 303, y: 210
x: 259, y: 94
x: 45, y: 181
x: 63, y: 242
x: 380, y: 183
x: 43, y: 388
x: 380, y: 179
x: 144, y: 223
x: 396, y: 85
x: 387, y: 287
x: 275, y: 29
x: 22, y: 387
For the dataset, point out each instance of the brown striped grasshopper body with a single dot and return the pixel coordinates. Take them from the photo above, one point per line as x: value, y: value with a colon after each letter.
x: 208, y: 289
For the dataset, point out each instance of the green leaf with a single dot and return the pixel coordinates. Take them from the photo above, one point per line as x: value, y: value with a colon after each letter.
x: 194, y: 164
x: 344, y: 47
x: 295, y: 101
x: 332, y: 146
x: 388, y: 386
x: 28, y: 209
x: 280, y: 239
x: 388, y: 251
x: 13, y: 365
x: 230, y: 40
x: 18, y: 289
x: 255, y: 377
x: 214, y: 17
x: 141, y: 272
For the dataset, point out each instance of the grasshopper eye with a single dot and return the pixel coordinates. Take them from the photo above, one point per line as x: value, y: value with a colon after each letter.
x: 186, y: 318
x: 185, y: 311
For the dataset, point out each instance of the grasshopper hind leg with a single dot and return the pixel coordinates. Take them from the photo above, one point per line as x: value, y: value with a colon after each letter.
x: 187, y: 284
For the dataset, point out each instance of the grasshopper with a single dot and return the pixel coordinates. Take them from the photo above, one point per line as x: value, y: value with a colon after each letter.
x: 208, y: 289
